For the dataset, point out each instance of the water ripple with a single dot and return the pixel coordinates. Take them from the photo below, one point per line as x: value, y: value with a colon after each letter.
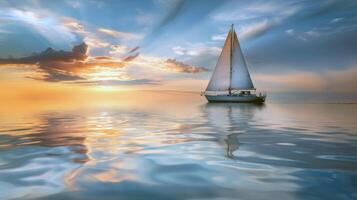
x: 224, y: 151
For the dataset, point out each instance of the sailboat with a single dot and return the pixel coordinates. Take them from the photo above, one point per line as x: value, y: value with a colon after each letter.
x: 230, y: 81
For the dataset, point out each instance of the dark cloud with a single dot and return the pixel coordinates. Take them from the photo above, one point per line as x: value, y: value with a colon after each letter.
x: 55, y: 66
x: 177, y: 66
x: 57, y: 76
x: 132, y: 57
x: 134, y: 49
x: 78, y: 52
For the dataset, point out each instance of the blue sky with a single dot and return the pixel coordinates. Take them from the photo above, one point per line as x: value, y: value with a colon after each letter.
x: 177, y: 42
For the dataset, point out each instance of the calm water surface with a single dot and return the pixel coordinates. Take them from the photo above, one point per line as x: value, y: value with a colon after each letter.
x: 180, y: 149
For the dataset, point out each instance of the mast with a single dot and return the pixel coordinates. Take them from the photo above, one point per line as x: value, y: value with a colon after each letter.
x: 230, y: 63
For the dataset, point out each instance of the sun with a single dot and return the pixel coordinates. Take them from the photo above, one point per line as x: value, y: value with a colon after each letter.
x: 104, y: 75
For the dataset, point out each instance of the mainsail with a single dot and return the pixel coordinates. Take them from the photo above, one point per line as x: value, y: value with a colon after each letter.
x: 231, y: 72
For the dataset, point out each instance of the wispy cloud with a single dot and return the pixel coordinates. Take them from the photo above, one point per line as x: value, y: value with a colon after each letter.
x: 89, y: 37
x: 131, y: 57
x: 219, y: 37
x: 196, y: 49
x: 254, y: 19
x: 290, y: 32
x: 120, y: 34
x: 257, y: 29
x: 336, y: 20
x: 42, y: 23
x: 118, y: 50
x: 254, y: 11
x: 177, y: 66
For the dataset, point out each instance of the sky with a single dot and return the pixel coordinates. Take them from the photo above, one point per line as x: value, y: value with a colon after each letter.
x: 72, y: 45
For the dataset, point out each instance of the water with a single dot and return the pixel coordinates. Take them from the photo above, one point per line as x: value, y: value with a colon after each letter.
x: 176, y: 146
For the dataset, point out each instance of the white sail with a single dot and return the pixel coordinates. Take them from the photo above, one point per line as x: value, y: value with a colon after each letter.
x: 220, y: 80
x: 240, y: 75
x: 231, y: 72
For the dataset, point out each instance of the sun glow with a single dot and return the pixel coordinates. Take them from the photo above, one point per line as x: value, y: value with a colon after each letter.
x: 104, y: 75
x: 108, y: 88
x: 107, y: 73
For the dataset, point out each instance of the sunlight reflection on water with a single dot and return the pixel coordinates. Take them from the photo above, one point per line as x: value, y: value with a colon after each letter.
x: 187, y: 149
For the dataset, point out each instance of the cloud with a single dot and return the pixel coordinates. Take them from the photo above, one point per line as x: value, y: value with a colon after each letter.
x: 254, y: 11
x: 98, y: 37
x: 55, y: 66
x: 73, y: 24
x: 119, y: 34
x: 77, y: 67
x: 219, y: 37
x: 134, y: 49
x: 335, y: 20
x: 177, y: 66
x: 257, y: 29
x: 74, y: 4
x: 132, y: 57
x: 179, y: 50
x: 43, y: 23
x: 119, y: 50
x: 312, y: 33
x: 56, y: 76
x: 199, y: 54
x: 290, y: 32
x: 196, y: 49
x: 254, y: 19
x: 123, y: 51
x: 89, y: 37
x: 78, y: 52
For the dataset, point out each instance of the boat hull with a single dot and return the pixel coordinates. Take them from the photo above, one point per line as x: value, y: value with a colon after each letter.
x: 236, y: 98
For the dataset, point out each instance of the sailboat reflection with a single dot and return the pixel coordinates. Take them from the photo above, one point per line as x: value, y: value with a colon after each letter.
x: 230, y: 120
x: 232, y: 144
